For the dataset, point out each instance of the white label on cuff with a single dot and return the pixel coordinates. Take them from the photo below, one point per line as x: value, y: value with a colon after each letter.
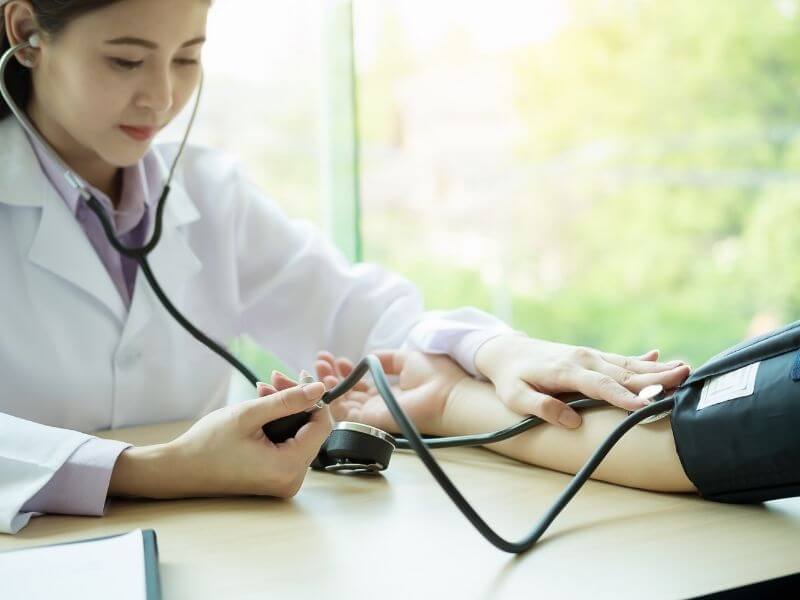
x: 735, y: 384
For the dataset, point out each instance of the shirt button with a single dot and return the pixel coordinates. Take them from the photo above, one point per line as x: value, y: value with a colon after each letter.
x: 129, y: 358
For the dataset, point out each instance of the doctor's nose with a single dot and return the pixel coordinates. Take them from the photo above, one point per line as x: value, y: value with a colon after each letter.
x: 157, y: 92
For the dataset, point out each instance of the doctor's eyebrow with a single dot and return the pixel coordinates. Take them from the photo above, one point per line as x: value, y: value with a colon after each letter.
x: 134, y: 41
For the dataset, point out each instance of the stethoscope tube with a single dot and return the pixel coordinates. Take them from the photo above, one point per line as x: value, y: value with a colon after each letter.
x: 421, y: 446
x: 413, y: 440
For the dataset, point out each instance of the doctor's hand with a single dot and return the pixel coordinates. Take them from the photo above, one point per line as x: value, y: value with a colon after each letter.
x: 424, y: 385
x: 227, y: 453
x: 527, y: 373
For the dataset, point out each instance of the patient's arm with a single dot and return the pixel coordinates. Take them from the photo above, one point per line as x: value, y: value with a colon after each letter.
x: 644, y: 458
x: 444, y: 400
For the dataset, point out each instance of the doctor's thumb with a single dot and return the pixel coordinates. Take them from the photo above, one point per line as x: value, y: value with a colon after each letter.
x: 272, y: 405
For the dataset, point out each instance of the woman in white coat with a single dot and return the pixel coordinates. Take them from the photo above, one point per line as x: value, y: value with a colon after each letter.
x: 86, y: 345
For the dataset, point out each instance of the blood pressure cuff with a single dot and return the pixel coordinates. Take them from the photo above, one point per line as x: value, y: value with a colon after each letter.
x: 736, y: 421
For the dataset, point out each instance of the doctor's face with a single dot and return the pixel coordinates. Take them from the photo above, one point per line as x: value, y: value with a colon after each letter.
x: 115, y: 76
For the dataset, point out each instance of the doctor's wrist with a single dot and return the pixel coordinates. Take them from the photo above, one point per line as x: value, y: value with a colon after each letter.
x: 489, y: 356
x: 145, y: 471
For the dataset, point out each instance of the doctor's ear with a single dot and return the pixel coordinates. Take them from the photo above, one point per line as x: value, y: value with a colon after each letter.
x: 29, y: 56
x: 21, y: 26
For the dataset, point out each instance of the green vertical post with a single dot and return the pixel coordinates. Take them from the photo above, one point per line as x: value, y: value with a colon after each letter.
x: 341, y: 161
x: 340, y: 169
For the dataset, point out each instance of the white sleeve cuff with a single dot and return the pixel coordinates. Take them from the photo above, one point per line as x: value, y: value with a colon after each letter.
x: 80, y: 486
x: 467, y: 348
x: 458, y: 333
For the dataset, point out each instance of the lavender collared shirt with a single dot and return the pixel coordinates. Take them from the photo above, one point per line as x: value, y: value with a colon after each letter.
x: 80, y: 486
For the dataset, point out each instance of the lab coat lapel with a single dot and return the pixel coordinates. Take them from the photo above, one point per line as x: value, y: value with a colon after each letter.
x: 60, y: 245
x: 173, y: 263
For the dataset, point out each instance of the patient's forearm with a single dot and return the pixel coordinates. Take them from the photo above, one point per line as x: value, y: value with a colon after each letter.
x: 644, y: 458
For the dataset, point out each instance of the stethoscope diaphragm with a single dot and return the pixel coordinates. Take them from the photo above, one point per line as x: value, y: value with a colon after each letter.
x: 653, y: 393
x: 356, y: 448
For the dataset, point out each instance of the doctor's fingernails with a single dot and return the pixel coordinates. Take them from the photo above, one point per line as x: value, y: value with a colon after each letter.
x: 569, y: 418
x: 276, y: 374
x: 264, y: 389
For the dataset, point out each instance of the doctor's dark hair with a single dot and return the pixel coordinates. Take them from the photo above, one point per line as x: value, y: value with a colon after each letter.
x: 52, y: 16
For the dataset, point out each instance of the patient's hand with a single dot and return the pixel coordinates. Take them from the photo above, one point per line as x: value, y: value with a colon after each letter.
x: 424, y: 384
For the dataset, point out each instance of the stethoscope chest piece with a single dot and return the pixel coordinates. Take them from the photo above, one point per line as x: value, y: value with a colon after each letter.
x: 653, y: 393
x: 355, y: 448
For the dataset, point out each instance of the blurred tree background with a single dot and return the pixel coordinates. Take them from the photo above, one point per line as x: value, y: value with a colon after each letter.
x: 654, y: 166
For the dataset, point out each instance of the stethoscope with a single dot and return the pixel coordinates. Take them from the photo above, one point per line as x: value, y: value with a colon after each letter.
x: 353, y: 447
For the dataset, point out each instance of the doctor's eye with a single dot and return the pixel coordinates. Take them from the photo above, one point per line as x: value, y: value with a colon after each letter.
x: 126, y: 64
x: 130, y: 65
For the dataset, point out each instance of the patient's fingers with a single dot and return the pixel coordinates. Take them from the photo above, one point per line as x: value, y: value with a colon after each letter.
x: 338, y: 367
x: 328, y: 375
x: 323, y: 369
x: 344, y: 367
x: 392, y: 361
x: 330, y: 381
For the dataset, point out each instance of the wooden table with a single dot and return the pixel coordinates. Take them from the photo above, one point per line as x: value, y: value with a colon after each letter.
x: 398, y: 536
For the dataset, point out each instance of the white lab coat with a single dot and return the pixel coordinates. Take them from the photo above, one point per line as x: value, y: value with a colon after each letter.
x: 73, y: 359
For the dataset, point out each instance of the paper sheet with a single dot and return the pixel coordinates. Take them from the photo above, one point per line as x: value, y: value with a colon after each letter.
x: 110, y: 568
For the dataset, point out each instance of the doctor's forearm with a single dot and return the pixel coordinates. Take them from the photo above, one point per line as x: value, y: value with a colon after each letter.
x: 644, y: 458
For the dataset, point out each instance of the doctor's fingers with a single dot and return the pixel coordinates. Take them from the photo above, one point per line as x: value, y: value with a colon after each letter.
x: 524, y: 400
x: 637, y: 364
x: 308, y: 440
x: 602, y: 387
x: 259, y: 411
x: 281, y: 381
x: 636, y: 382
x: 265, y: 389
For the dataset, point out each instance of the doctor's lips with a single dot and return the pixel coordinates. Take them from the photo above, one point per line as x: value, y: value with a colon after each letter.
x: 139, y: 133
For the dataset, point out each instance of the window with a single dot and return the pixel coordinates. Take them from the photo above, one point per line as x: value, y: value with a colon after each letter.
x: 615, y: 173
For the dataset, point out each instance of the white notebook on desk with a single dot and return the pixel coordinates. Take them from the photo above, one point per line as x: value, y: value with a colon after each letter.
x: 119, y: 567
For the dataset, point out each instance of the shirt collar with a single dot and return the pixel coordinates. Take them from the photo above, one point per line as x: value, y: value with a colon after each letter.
x: 141, y: 188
